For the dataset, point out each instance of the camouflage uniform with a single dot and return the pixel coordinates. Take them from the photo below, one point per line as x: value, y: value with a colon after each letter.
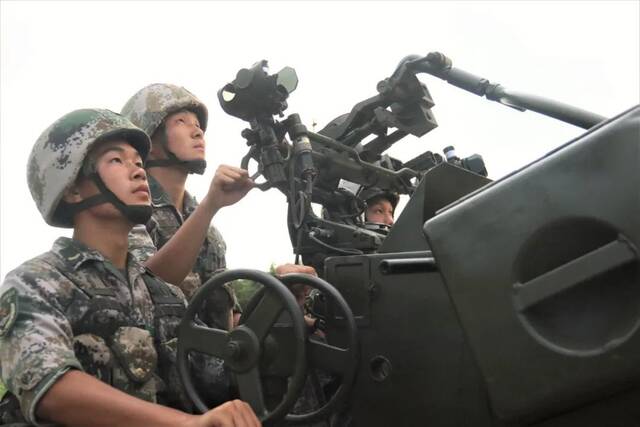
x: 148, y: 109
x: 70, y: 308
x: 164, y: 223
x: 75, y: 310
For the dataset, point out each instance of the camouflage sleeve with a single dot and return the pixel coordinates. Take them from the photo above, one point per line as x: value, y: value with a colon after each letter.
x: 36, y: 340
x: 141, y: 244
x: 154, y: 229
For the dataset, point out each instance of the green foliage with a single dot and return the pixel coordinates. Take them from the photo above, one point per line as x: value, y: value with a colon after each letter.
x: 244, y: 290
x: 2, y: 390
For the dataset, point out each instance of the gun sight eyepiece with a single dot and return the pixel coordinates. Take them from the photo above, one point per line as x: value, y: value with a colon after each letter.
x: 254, y: 93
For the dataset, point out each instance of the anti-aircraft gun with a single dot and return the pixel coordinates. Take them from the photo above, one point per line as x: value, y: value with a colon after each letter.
x: 507, y: 303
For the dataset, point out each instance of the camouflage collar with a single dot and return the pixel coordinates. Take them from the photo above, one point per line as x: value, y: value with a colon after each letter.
x: 190, y: 204
x: 75, y: 254
x: 133, y: 264
x: 160, y: 198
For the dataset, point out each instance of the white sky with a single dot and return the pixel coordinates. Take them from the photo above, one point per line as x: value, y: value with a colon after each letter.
x: 59, y: 56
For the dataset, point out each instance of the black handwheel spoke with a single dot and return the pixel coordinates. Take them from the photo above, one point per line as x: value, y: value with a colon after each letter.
x: 204, y: 340
x: 265, y: 314
x: 250, y: 388
x: 335, y: 360
x: 243, y: 347
x: 329, y: 358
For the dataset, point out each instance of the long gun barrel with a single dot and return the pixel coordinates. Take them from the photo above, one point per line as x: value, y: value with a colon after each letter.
x: 440, y: 66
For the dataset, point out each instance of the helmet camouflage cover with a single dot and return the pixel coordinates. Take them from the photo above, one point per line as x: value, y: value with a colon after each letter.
x: 149, y: 107
x: 58, y: 155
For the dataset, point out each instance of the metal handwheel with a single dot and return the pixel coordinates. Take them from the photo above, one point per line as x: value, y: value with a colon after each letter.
x: 339, y: 361
x: 242, y: 348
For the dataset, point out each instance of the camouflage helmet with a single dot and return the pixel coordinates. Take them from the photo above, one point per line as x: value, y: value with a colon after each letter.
x: 152, y: 104
x: 58, y: 155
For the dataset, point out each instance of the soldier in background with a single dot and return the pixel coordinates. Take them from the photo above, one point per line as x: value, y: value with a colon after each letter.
x: 375, y: 207
x: 176, y: 120
x: 87, y: 334
x: 380, y: 205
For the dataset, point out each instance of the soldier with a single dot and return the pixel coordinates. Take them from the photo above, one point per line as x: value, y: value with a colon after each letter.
x: 377, y: 205
x: 176, y: 121
x: 87, y: 335
x: 380, y: 205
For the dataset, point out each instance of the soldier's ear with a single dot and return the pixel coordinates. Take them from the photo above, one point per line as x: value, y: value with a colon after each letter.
x: 155, y: 152
x: 72, y: 194
x: 159, y: 143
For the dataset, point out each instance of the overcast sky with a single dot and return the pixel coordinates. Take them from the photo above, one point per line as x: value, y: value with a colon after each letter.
x: 60, y: 56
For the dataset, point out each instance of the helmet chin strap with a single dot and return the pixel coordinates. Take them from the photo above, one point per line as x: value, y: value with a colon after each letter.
x: 192, y: 166
x: 377, y: 227
x: 137, y: 214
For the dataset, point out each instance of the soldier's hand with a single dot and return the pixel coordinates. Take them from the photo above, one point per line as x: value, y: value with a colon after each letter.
x: 235, y: 413
x: 228, y: 186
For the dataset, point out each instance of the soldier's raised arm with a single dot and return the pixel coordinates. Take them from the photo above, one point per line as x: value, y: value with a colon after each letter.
x: 189, y: 250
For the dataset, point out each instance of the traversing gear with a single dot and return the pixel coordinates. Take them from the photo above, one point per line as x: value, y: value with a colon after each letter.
x: 59, y: 157
x: 151, y: 105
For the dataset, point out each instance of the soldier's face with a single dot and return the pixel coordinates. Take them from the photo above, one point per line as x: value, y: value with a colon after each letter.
x: 185, y: 138
x: 121, y: 169
x: 380, y: 212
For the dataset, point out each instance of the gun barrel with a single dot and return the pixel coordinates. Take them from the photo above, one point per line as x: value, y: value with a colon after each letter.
x: 439, y: 65
x: 558, y: 110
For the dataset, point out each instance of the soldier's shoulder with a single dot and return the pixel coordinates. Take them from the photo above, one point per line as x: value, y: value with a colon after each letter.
x: 215, y: 234
x: 42, y: 273
x: 163, y: 224
x: 42, y: 264
x: 175, y: 290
